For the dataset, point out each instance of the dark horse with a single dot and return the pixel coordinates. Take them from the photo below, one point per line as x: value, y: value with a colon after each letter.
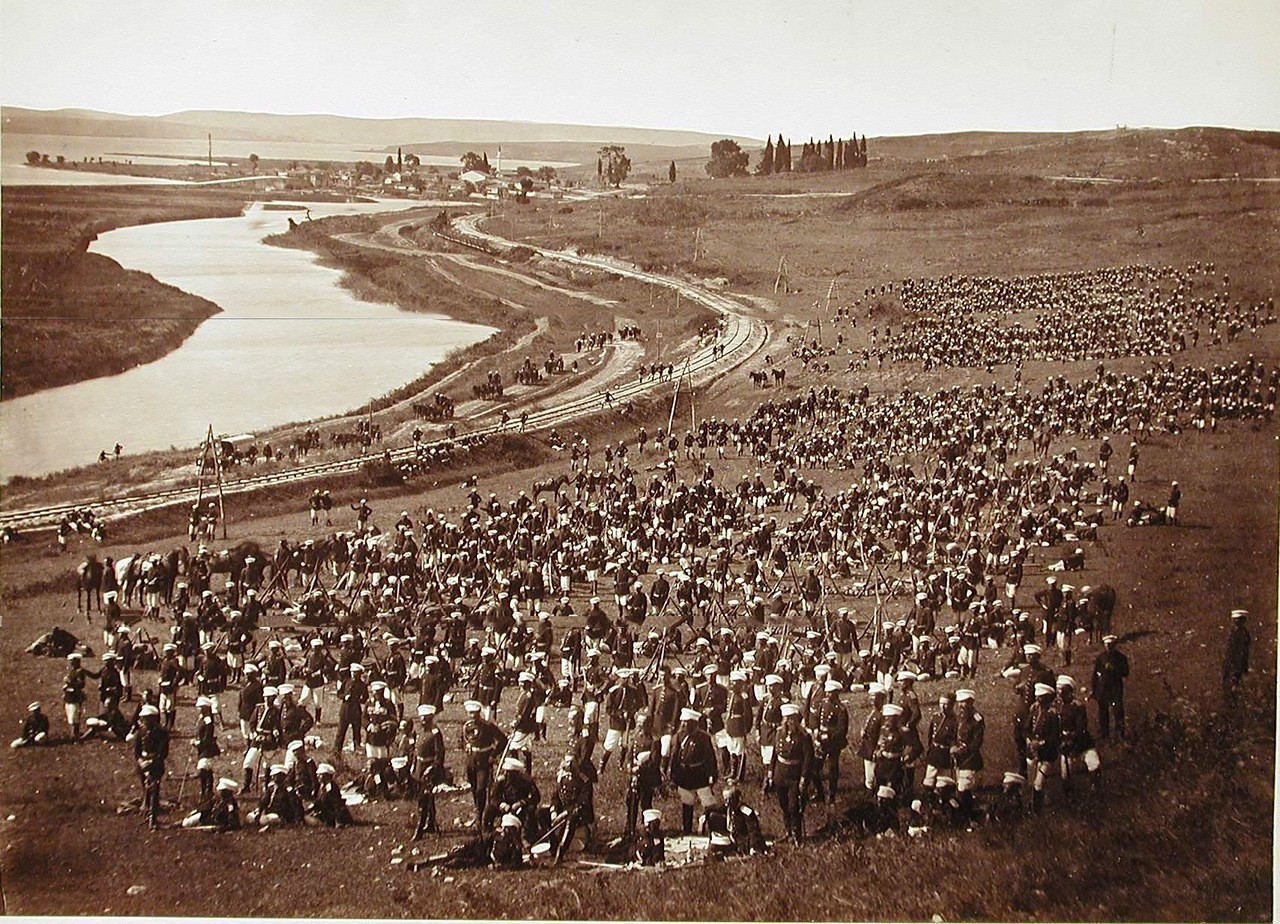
x: 551, y: 484
x: 89, y: 583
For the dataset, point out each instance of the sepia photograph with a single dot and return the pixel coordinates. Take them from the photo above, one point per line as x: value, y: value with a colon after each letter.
x: 462, y: 461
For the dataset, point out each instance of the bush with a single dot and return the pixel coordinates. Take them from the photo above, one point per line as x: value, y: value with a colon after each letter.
x: 378, y: 473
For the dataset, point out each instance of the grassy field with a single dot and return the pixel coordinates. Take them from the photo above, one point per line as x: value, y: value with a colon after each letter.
x: 1184, y: 830
x: 70, y: 315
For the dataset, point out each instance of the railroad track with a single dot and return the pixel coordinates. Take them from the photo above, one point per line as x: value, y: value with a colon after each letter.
x: 742, y: 337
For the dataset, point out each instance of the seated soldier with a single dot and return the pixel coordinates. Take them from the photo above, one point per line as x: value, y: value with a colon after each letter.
x: 35, y: 728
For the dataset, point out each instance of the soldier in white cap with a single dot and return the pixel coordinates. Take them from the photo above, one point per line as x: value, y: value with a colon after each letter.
x: 150, y: 751
x: 483, y: 743
x: 1235, y: 663
x: 428, y: 769
x: 1110, y: 669
x: 35, y: 728
x: 830, y: 728
x: 1077, y: 743
x: 650, y: 846
x: 939, y: 739
x: 966, y: 753
x: 792, y: 766
x: 694, y: 768
x: 870, y: 735
x: 73, y: 685
x: 329, y: 806
x: 514, y: 792
x: 264, y: 738
x: 352, y: 694
x: 205, y: 742
x: 1044, y: 742
x: 737, y: 723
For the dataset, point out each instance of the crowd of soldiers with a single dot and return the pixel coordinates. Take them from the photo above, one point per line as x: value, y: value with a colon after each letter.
x: 961, y: 320
x: 668, y: 619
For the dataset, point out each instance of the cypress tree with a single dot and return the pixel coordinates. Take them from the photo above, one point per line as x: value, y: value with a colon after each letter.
x: 487, y: 168
x: 766, y: 159
x: 830, y: 152
x: 839, y: 153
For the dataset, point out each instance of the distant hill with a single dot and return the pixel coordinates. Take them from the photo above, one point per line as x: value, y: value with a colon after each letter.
x: 258, y: 126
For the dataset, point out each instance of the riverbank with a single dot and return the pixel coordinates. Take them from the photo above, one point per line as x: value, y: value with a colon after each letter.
x: 70, y: 315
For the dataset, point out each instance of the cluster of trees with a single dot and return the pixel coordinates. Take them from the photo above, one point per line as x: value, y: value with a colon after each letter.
x: 612, y: 164
x: 815, y: 156
x: 728, y: 158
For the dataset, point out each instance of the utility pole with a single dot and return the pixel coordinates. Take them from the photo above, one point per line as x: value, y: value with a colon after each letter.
x: 783, y: 279
x: 833, y: 293
x: 697, y: 245
x: 210, y: 445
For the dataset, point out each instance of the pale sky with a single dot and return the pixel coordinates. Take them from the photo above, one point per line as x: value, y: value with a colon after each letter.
x: 744, y: 67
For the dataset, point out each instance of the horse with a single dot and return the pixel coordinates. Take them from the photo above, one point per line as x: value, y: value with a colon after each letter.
x: 231, y: 562
x: 175, y: 566
x: 128, y: 576
x: 89, y: 582
x: 551, y: 484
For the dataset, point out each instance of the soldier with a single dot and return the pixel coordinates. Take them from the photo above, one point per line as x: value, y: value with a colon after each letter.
x: 711, y: 699
x: 1044, y: 742
x: 831, y: 736
x: 573, y: 803
x: 249, y: 700
x: 73, y: 692
x: 870, y: 734
x: 352, y: 693
x: 791, y: 767
x: 650, y: 847
x: 621, y: 703
x: 940, y: 739
x: 380, y: 732
x: 395, y: 673
x: 265, y: 735
x: 329, y: 806
x: 482, y: 742
x: 317, y: 668
x: 646, y: 778
x: 35, y: 728
x: 150, y: 750
x: 514, y: 792
x: 664, y: 713
x: 206, y: 744
x: 1110, y: 669
x: 110, y: 682
x: 890, y: 747
x: 737, y: 723
x: 769, y: 718
x: 1235, y: 664
x: 693, y: 767
x: 742, y: 824
x: 170, y: 674
x: 1077, y: 743
x: 295, y: 721
x: 279, y: 804
x: 967, y: 751
x: 428, y: 769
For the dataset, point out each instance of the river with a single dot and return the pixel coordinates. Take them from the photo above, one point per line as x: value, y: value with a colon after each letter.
x: 289, y: 345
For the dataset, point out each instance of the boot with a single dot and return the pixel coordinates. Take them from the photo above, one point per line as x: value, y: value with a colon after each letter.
x: 686, y: 819
x: 75, y: 731
x: 1037, y: 800
x: 319, y: 710
x: 248, y: 778
x: 604, y: 761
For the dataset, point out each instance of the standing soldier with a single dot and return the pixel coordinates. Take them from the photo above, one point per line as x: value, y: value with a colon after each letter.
x: 250, y: 699
x: 428, y: 770
x: 1044, y: 742
x: 870, y: 735
x: 483, y: 742
x: 737, y: 723
x: 769, y: 719
x: 150, y: 750
x: 1236, y: 662
x: 693, y: 766
x: 831, y: 728
x: 967, y: 751
x: 352, y: 693
x: 938, y: 759
x: 206, y: 744
x: 73, y: 692
x: 792, y: 764
x: 1110, y: 669
x: 1077, y: 743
